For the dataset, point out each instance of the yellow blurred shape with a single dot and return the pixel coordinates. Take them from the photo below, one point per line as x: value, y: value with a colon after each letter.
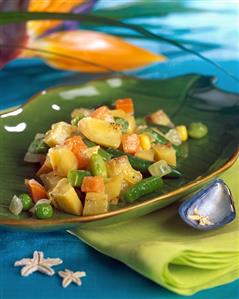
x: 89, y: 51
x: 36, y: 28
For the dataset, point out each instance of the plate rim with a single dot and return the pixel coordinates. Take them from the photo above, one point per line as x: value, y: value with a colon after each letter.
x: 84, y: 219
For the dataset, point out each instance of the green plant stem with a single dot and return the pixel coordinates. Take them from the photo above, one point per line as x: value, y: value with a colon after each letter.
x: 18, y: 17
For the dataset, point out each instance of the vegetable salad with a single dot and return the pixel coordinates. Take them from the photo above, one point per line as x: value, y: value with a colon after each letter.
x: 104, y: 156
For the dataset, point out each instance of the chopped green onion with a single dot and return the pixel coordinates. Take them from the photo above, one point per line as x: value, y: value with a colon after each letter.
x: 123, y: 123
x: 159, y: 168
x: 76, y: 119
x: 38, y: 146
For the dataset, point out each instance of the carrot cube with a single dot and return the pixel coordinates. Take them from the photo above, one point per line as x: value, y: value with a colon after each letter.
x: 126, y: 105
x: 36, y: 190
x: 93, y: 184
x: 130, y: 143
x: 100, y: 112
x: 77, y: 146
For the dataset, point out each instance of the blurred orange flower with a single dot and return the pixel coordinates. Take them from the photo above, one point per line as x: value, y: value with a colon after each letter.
x: 74, y: 49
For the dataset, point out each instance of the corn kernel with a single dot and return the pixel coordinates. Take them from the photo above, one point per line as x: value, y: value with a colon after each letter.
x: 145, y: 142
x: 183, y: 133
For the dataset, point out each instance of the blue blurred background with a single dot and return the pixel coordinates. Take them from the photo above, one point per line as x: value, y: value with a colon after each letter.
x: 206, y: 26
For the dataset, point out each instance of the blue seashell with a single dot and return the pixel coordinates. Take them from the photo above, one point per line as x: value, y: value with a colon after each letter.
x: 209, y: 208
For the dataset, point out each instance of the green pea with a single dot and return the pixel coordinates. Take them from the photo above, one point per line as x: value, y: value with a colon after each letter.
x: 123, y: 123
x: 98, y: 166
x: 26, y: 201
x: 197, y: 130
x: 44, y: 211
x: 75, y: 177
x: 76, y: 119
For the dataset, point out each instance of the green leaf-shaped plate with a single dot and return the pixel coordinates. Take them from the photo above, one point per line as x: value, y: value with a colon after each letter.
x: 185, y: 99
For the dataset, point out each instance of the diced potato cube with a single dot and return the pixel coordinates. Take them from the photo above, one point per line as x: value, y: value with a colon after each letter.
x: 46, y: 166
x: 101, y: 131
x: 58, y: 134
x: 102, y: 112
x: 160, y: 118
x: 113, y: 187
x: 129, y: 118
x: 66, y: 198
x: 95, y: 203
x: 130, y: 143
x: 62, y: 160
x: 50, y: 180
x: 146, y: 154
x: 173, y: 137
x: 122, y: 166
x: 165, y: 152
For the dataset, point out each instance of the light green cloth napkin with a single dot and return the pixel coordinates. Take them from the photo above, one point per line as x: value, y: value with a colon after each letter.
x: 164, y: 249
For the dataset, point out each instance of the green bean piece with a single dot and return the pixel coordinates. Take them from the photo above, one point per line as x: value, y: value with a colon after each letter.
x: 76, y: 119
x: 103, y: 153
x: 123, y: 123
x: 44, y: 211
x: 144, y: 187
x: 141, y: 164
x: 38, y: 146
x: 88, y: 142
x: 163, y: 129
x: 197, y: 130
x: 98, y: 166
x: 137, y: 163
x: 75, y: 177
x: 26, y: 201
x: 158, y: 138
x: 106, y: 156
